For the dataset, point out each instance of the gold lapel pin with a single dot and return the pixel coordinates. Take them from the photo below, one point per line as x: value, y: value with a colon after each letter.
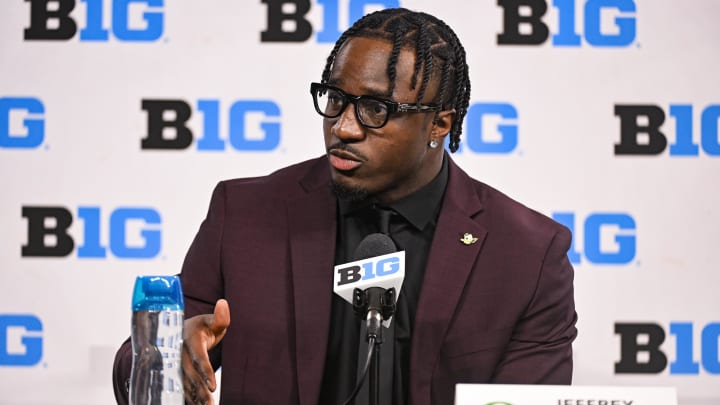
x: 468, y: 239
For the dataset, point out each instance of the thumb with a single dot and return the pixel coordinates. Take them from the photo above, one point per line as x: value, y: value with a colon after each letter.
x: 221, y: 318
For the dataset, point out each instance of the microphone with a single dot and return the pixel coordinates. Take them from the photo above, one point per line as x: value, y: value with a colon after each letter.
x: 370, y: 283
x: 375, y: 244
x: 377, y: 269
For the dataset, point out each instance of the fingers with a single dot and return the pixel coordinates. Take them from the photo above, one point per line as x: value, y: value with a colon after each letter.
x: 196, y: 371
x: 202, y: 333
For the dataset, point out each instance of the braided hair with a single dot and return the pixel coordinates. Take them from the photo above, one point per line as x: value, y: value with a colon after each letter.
x: 438, y: 52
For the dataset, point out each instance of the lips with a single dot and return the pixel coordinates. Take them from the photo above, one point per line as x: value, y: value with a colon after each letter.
x: 343, y: 160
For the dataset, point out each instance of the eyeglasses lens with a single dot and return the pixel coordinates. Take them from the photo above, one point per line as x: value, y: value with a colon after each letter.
x: 373, y: 113
x: 329, y: 102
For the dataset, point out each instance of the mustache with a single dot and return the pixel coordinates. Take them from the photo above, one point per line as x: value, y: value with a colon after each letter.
x: 347, y: 148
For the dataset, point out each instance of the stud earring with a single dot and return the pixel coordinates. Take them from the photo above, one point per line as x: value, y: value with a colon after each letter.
x: 433, y: 144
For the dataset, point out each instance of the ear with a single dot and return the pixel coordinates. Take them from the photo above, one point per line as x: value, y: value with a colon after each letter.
x: 442, y: 124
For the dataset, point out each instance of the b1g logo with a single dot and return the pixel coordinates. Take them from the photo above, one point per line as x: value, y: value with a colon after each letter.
x: 21, y: 341
x: 609, y: 238
x: 253, y: 125
x: 523, y: 23
x: 369, y: 269
x: 22, y: 122
x: 640, y: 132
x: 385, y: 271
x: 131, y: 20
x: 646, y: 338
x: 491, y: 128
x: 48, y: 232
x: 286, y: 18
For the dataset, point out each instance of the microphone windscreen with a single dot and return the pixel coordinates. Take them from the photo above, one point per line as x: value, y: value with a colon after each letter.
x: 375, y: 244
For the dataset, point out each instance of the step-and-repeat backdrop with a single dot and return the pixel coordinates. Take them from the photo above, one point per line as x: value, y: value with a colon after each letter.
x: 118, y: 117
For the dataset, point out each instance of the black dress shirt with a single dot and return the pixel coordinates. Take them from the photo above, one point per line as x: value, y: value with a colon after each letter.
x: 412, y: 226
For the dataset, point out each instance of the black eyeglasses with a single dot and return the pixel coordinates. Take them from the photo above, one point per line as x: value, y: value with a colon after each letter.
x: 372, y: 112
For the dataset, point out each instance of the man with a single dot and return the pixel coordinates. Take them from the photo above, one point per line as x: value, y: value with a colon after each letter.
x: 488, y: 294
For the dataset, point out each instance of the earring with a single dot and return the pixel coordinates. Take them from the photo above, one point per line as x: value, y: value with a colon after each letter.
x: 433, y: 144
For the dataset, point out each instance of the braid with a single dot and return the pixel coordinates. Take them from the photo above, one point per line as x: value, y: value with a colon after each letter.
x: 421, y: 56
x: 392, y: 61
x: 444, y: 82
x: 461, y: 90
x: 425, y: 58
x: 438, y: 51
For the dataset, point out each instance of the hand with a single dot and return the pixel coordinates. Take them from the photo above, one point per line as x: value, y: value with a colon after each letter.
x: 202, y: 333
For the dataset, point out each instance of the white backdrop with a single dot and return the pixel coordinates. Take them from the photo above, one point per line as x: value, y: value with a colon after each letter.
x: 71, y: 125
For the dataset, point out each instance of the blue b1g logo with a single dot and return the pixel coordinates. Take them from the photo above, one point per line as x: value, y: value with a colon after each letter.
x: 22, y: 122
x: 48, y: 232
x: 491, y: 128
x: 21, y: 341
x: 253, y: 125
x: 369, y: 269
x: 647, y: 338
x: 286, y: 20
x: 523, y: 28
x: 620, y: 227
x: 55, y: 22
x: 650, y: 139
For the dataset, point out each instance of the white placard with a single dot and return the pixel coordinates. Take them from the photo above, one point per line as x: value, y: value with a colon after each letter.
x: 501, y: 394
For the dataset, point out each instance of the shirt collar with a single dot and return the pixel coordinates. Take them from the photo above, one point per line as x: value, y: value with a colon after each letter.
x: 418, y: 208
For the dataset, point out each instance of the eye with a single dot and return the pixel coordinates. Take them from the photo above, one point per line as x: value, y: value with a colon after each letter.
x: 334, y: 98
x: 375, y: 108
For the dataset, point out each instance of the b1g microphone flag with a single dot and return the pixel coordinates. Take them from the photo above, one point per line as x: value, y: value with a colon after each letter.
x: 380, y: 266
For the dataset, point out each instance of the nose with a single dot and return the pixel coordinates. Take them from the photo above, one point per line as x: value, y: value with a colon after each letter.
x: 347, y: 127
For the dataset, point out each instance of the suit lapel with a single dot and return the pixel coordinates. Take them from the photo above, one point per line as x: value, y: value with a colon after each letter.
x: 312, y: 221
x: 449, y: 264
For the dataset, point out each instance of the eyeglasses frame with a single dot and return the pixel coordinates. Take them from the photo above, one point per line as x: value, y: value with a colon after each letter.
x: 393, y: 106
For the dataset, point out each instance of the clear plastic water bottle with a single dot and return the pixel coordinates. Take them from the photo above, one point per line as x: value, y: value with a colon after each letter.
x: 157, y: 332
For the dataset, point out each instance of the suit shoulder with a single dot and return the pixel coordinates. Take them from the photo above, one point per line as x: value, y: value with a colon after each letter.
x: 269, y: 192
x: 280, y: 182
x: 505, y: 214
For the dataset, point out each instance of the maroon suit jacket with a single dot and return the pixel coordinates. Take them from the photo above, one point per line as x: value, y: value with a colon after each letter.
x: 499, y: 310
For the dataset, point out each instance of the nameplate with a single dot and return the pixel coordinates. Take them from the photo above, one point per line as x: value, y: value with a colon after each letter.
x: 499, y: 394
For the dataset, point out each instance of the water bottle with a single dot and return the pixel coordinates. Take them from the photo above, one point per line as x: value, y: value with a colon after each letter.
x: 157, y: 339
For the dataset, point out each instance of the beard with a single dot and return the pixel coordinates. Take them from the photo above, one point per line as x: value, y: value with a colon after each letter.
x: 352, y: 194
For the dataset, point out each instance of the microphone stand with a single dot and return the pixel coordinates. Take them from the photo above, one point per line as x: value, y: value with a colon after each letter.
x: 375, y: 305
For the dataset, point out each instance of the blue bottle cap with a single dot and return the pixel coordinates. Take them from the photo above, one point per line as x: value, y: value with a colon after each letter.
x: 157, y: 293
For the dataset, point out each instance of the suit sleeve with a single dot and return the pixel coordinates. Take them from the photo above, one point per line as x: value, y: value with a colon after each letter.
x: 202, y: 285
x: 202, y: 272
x: 540, y: 349
x: 121, y: 372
